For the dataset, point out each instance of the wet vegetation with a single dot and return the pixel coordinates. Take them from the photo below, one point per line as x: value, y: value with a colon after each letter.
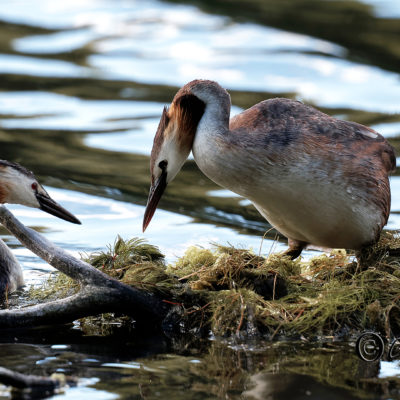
x: 233, y: 293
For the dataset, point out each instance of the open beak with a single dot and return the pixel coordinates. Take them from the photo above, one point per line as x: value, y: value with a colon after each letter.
x: 156, y: 191
x: 48, y: 205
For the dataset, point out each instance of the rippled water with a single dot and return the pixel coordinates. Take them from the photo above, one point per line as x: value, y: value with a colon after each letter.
x: 83, y: 84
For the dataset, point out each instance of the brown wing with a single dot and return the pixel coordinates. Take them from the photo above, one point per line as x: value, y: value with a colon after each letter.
x: 291, y: 128
x: 282, y: 122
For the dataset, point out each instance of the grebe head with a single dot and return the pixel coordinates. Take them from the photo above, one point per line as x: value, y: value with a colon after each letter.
x: 173, y: 142
x: 19, y: 186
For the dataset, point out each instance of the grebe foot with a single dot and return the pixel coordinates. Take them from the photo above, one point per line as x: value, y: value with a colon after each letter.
x: 295, y: 248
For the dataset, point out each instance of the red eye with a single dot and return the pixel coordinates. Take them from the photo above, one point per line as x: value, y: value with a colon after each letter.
x: 34, y: 186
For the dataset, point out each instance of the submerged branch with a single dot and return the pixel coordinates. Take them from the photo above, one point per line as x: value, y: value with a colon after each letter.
x: 100, y: 292
x: 22, y: 381
x: 86, y: 302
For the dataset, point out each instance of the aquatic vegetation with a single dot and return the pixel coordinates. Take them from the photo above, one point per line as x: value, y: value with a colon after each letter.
x: 116, y: 260
x: 234, y: 292
x: 57, y: 286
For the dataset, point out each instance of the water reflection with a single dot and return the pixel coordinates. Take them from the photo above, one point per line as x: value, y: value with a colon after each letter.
x: 11, y: 64
x: 54, y: 43
x: 348, y: 24
x: 153, y: 368
x: 69, y: 113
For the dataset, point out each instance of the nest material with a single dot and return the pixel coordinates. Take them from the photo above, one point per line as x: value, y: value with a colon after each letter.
x: 229, y: 291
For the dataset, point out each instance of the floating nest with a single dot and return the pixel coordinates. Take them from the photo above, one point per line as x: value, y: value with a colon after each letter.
x: 229, y: 292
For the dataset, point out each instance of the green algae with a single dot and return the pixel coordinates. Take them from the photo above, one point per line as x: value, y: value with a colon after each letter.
x: 55, y: 287
x: 123, y: 254
x: 234, y: 292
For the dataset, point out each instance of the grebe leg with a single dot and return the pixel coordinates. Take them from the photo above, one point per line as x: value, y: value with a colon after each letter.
x: 295, y: 248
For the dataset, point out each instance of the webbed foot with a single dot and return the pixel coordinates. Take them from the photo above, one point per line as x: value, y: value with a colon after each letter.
x: 295, y: 248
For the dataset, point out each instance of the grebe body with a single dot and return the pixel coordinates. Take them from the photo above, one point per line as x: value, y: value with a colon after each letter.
x: 317, y: 179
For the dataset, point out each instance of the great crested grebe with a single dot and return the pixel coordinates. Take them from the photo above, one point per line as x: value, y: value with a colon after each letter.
x: 19, y: 186
x: 316, y: 179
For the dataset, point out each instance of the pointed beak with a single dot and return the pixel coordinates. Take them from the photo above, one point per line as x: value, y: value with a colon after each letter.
x: 156, y: 191
x: 48, y: 205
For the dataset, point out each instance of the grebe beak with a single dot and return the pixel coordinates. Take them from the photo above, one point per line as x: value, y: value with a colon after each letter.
x: 48, y: 205
x: 156, y: 191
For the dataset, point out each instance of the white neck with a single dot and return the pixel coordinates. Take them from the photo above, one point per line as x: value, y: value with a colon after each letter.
x: 220, y: 154
x: 213, y: 125
x: 215, y: 120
